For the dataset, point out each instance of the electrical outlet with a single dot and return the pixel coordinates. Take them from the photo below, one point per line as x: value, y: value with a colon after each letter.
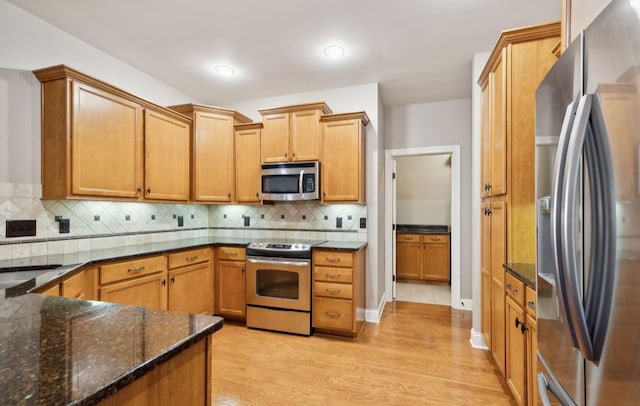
x: 363, y: 222
x: 338, y: 222
x: 64, y: 225
x: 20, y: 228
x: 180, y: 221
x: 247, y: 221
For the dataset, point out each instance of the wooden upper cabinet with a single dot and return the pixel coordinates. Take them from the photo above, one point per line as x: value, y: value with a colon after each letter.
x: 166, y: 164
x: 498, y: 163
x: 213, y: 151
x: 96, y: 143
x: 292, y: 133
x: 247, y: 162
x: 343, y: 164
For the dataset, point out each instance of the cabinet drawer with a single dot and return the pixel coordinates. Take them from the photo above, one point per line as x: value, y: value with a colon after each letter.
x: 231, y: 253
x: 435, y: 238
x: 189, y: 257
x: 514, y: 288
x: 328, y: 289
x: 531, y: 301
x: 332, y: 313
x: 131, y: 269
x: 328, y: 274
x: 408, y: 237
x: 333, y: 258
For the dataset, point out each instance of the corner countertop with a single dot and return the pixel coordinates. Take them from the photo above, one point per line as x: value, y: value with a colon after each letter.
x: 525, y: 272
x: 66, y: 351
x: 422, y: 229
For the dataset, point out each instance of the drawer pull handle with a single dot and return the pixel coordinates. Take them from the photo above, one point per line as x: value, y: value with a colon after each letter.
x: 435, y: 238
x: 332, y: 275
x: 191, y: 258
x: 333, y: 291
x: 511, y: 288
x: 334, y: 260
x: 231, y: 254
x: 136, y: 269
x: 335, y: 315
x: 531, y: 304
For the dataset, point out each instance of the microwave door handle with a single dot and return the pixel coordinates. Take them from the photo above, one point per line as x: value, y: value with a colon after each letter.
x: 300, y: 182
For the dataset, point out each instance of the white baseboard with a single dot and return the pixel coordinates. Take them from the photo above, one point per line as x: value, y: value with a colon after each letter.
x: 466, y: 304
x: 477, y: 340
x: 374, y: 316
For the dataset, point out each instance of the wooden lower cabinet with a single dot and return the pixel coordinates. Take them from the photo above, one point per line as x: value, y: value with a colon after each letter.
x: 516, y: 351
x: 191, y: 281
x: 230, y: 300
x: 83, y: 285
x: 146, y: 291
x: 338, y: 291
x: 423, y: 257
x: 532, y: 346
x: 51, y: 291
x: 182, y: 380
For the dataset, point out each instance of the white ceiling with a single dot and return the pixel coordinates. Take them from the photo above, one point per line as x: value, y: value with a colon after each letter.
x: 418, y: 50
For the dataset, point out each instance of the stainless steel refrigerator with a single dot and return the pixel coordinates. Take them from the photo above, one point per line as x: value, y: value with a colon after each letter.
x: 588, y: 216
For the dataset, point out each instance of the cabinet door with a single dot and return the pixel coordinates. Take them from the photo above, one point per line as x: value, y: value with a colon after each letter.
x: 516, y: 351
x: 435, y: 263
x: 106, y: 144
x: 498, y: 258
x: 498, y: 183
x: 147, y: 291
x: 275, y: 138
x: 408, y: 260
x: 166, y: 157
x: 213, y: 157
x: 486, y: 146
x: 341, y: 168
x: 532, y: 361
x: 230, y: 289
x: 305, y: 135
x: 83, y: 285
x: 247, y: 150
x: 191, y: 288
x: 485, y: 275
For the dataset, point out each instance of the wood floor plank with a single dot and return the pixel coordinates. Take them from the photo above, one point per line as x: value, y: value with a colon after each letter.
x: 418, y: 354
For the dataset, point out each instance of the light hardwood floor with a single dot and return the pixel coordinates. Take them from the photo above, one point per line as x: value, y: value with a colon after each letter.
x: 418, y: 354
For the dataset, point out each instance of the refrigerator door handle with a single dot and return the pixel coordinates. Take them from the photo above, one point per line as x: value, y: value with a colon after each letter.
x: 568, y: 227
x: 602, y: 262
x: 557, y: 250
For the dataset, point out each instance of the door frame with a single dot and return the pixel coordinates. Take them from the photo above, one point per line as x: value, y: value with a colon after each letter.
x: 389, y: 249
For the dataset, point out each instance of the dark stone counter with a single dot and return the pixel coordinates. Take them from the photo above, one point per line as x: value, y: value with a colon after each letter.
x: 525, y: 272
x: 58, y: 351
x: 342, y: 245
x: 422, y: 229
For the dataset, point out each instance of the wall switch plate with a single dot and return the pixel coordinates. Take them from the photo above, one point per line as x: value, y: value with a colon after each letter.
x: 20, y: 228
x: 64, y: 225
x: 180, y: 221
x: 338, y: 222
x: 363, y: 222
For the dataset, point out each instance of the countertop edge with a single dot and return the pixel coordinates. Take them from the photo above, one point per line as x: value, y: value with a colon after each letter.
x: 521, y: 272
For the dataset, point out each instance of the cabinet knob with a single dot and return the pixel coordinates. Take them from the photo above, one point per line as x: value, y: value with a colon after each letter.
x: 257, y: 194
x: 173, y: 279
x: 285, y: 155
x: 164, y: 282
x: 488, y: 186
x: 229, y: 195
x: 148, y: 190
x: 242, y: 270
x: 139, y: 189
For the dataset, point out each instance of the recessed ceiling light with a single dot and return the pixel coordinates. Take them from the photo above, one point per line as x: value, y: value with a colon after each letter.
x: 334, y: 51
x: 224, y: 70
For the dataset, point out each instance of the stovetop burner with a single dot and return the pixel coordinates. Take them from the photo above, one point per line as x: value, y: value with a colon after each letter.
x: 282, y: 248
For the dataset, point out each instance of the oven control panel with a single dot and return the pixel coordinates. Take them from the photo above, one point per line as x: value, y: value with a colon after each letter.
x: 280, y: 246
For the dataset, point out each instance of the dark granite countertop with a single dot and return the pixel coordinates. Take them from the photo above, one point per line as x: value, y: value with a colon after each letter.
x: 525, y: 272
x: 58, y: 351
x: 422, y: 229
x: 342, y: 245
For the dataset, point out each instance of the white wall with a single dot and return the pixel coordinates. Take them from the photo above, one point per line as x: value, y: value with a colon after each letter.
x: 439, y: 124
x: 347, y: 99
x: 423, y: 189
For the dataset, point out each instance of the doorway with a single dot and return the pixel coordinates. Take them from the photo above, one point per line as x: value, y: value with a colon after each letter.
x: 392, y: 289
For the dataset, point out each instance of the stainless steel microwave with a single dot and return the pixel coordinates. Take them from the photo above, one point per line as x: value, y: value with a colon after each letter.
x: 290, y: 181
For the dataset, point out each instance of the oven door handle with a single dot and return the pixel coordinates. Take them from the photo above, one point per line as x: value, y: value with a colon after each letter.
x: 278, y: 261
x: 300, y: 182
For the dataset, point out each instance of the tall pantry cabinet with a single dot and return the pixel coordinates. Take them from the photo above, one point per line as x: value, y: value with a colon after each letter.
x: 516, y: 66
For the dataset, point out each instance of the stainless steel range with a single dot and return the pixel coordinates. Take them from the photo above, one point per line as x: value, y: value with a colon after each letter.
x: 279, y: 286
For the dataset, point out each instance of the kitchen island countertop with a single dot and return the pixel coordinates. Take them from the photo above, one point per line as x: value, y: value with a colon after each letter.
x: 58, y: 351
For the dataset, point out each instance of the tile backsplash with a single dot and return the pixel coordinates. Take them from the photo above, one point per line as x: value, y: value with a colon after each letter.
x: 104, y: 224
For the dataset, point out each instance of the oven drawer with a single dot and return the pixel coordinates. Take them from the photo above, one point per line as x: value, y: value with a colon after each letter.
x: 189, y: 257
x: 326, y: 274
x: 332, y: 313
x: 332, y: 258
x: 327, y: 289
